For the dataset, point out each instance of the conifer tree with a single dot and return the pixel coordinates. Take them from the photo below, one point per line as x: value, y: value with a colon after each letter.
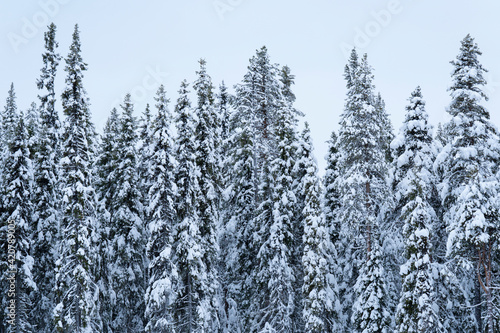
x: 241, y: 205
x: 127, y: 233
x: 299, y: 171
x: 162, y: 284
x: 106, y: 161
x: 9, y: 117
x: 331, y: 197
x: 321, y: 302
x: 188, y: 251
x: 363, y: 191
x: 230, y: 308
x: 275, y: 296
x: 470, y: 183
x: 370, y: 309
x: 17, y: 213
x: 145, y: 124
x: 46, y: 174
x: 207, y: 200
x: 413, y: 181
x: 76, y: 289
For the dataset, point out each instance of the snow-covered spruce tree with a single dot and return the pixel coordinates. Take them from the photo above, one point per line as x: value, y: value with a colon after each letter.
x: 469, y: 190
x: 46, y: 198
x: 370, y: 309
x: 207, y: 198
x: 331, y: 194
x: 418, y: 309
x: 387, y: 133
x: 223, y: 110
x: 76, y: 290
x: 32, y: 123
x: 260, y: 94
x: 241, y: 196
x: 299, y: 171
x: 145, y: 123
x: 9, y: 117
x: 162, y: 283
x: 127, y: 239
x: 414, y: 146
x: 188, y: 248
x: 274, y: 301
x: 321, y: 303
x: 257, y: 98
x: 18, y: 211
x: 363, y: 193
x: 230, y: 309
x: 413, y: 182
x: 106, y: 161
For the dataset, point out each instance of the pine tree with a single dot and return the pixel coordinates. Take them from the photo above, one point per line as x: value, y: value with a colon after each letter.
x: 417, y: 310
x: 299, y: 171
x: 241, y: 195
x: 162, y: 284
x: 9, y: 117
x: 230, y: 308
x: 187, y: 235
x: 470, y: 186
x: 414, y: 183
x: 106, y: 162
x: 145, y: 124
x: 46, y: 174
x: 76, y: 290
x: 207, y: 200
x: 369, y: 312
x: 363, y: 192
x: 331, y: 197
x: 18, y: 213
x: 275, y: 296
x: 127, y: 239
x: 321, y: 302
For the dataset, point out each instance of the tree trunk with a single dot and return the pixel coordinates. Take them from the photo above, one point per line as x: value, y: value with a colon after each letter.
x: 477, y: 303
x: 368, y: 227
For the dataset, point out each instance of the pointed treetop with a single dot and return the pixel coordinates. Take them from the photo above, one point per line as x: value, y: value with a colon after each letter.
x: 468, y: 72
x: 74, y: 57
x: 287, y: 79
x: 351, y: 68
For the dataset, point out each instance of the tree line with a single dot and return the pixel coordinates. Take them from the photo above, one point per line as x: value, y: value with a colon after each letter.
x: 209, y: 215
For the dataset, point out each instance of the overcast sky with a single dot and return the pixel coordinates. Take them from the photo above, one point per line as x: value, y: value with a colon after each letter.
x: 133, y: 46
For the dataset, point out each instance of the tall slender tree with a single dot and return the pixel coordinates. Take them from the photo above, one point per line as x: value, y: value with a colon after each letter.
x: 321, y: 302
x: 414, y: 154
x: 161, y: 290
x: 127, y: 238
x: 470, y: 185
x: 207, y: 201
x: 18, y: 212
x: 106, y: 161
x: 46, y: 173
x: 275, y: 296
x: 363, y: 191
x: 187, y: 235
x: 76, y: 289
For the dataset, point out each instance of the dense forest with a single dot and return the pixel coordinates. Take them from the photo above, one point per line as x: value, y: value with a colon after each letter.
x: 207, y: 214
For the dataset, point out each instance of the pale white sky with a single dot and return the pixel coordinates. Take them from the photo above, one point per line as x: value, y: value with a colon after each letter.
x: 133, y: 46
